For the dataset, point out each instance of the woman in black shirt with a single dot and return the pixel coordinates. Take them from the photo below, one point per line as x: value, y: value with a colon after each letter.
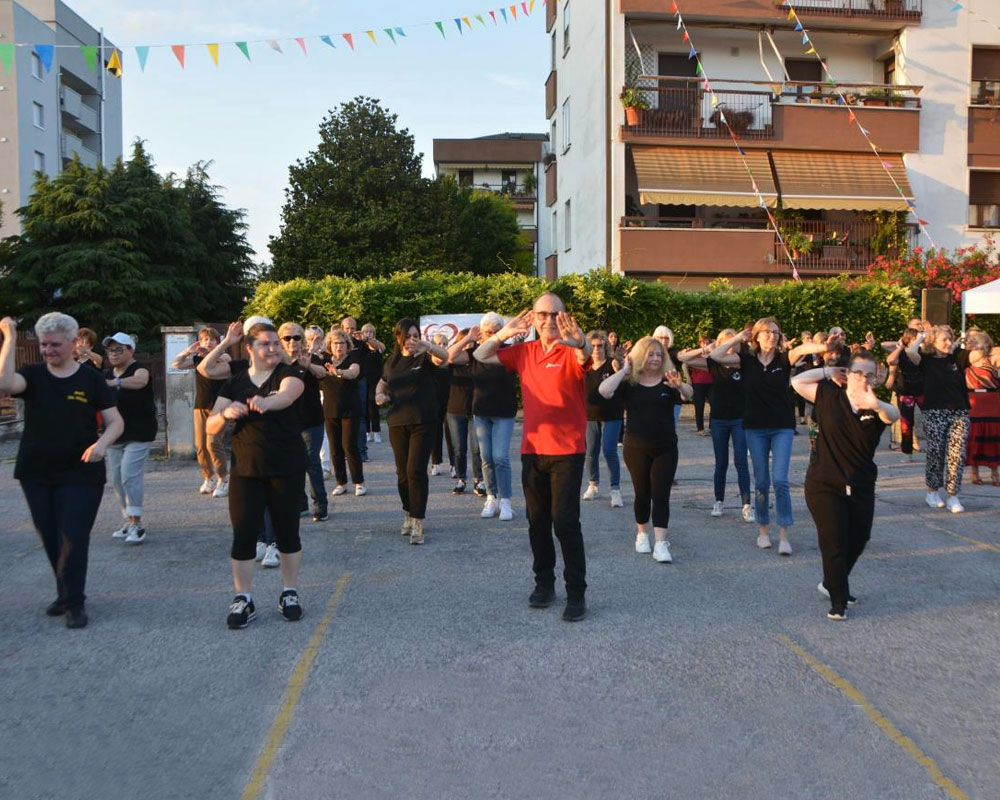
x: 907, y: 381
x: 442, y: 390
x: 371, y: 371
x: 127, y: 457
x: 268, y: 469
x: 408, y: 384
x: 460, y: 425
x: 342, y: 410
x: 946, y: 412
x: 840, y: 482
x: 604, y: 421
x: 649, y: 397
x: 60, y: 461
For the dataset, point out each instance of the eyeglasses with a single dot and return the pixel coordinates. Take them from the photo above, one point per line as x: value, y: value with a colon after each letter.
x: 548, y: 314
x: 769, y: 333
x: 868, y: 376
x: 293, y: 338
x: 116, y: 351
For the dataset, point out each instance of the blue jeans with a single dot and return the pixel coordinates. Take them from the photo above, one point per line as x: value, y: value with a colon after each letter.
x: 677, y: 414
x: 494, y: 435
x: 363, y: 427
x: 313, y: 438
x: 603, y: 437
x: 458, y: 424
x: 778, y: 443
x: 722, y: 430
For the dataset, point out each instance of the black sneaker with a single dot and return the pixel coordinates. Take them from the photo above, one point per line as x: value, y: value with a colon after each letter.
x: 56, y: 608
x: 542, y: 597
x: 837, y: 614
x: 851, y: 599
x: 288, y: 605
x: 459, y: 488
x: 241, y: 612
x: 480, y: 489
x: 576, y: 609
x: 321, y: 516
x: 76, y: 617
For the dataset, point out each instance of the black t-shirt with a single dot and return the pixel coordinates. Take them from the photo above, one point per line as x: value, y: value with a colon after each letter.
x: 371, y: 368
x: 909, y: 377
x: 600, y: 409
x: 411, y: 389
x: 60, y: 422
x: 649, y: 414
x: 309, y: 407
x: 765, y: 390
x: 265, y: 445
x: 944, y: 381
x: 136, y: 406
x: 205, y: 389
x: 462, y: 385
x: 442, y: 386
x: 727, y: 391
x: 494, y: 392
x: 340, y: 395
x: 846, y: 442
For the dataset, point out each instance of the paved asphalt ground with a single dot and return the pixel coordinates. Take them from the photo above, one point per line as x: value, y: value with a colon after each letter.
x: 425, y: 675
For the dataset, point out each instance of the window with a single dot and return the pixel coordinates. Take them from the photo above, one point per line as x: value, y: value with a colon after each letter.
x: 38, y: 115
x: 39, y: 161
x: 889, y: 70
x: 807, y: 70
x: 986, y: 76
x: 565, y: 125
x: 552, y: 67
x: 508, y: 181
x: 555, y: 231
x: 984, y: 199
x: 36, y: 66
x: 465, y: 177
x: 565, y: 27
x: 568, y: 223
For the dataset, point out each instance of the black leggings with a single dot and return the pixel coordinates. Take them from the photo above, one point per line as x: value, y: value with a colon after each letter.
x: 281, y: 496
x: 702, y: 392
x: 652, y: 472
x: 411, y: 446
x: 342, y: 434
x: 374, y: 420
x: 441, y: 431
x: 843, y: 527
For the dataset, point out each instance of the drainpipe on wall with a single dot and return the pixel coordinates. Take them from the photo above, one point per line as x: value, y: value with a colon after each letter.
x: 102, y: 69
x: 610, y: 229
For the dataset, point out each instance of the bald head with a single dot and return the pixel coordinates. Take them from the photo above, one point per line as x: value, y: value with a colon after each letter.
x: 549, y: 302
x: 543, y: 317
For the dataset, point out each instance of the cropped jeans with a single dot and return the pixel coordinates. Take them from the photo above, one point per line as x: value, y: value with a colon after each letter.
x: 603, y: 437
x: 494, y: 435
x: 722, y: 431
x: 775, y: 443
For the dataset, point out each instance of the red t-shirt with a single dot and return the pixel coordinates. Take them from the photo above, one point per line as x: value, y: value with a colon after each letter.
x: 699, y: 375
x: 553, y: 390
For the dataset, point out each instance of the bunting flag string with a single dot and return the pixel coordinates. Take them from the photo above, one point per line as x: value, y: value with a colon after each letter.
x: 46, y: 52
x: 957, y: 7
x: 853, y: 118
x: 707, y: 85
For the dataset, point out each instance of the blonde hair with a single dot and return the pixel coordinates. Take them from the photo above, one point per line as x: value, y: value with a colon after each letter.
x: 602, y: 335
x: 724, y: 335
x: 759, y: 326
x: 928, y: 345
x: 337, y: 333
x: 290, y: 329
x: 978, y: 340
x: 640, y: 354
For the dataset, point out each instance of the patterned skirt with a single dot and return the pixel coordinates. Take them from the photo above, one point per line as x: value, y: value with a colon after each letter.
x: 983, y: 449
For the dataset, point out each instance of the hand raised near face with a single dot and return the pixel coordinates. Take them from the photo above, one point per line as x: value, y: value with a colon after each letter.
x: 569, y: 330
x: 673, y: 379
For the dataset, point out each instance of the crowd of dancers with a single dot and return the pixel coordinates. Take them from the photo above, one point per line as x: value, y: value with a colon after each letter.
x: 301, y: 405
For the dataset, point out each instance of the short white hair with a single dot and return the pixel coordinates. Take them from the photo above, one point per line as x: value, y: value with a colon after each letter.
x: 491, y: 319
x: 56, y: 322
x: 256, y: 320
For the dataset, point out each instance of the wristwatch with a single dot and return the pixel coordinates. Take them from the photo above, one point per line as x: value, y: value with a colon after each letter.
x: 118, y: 383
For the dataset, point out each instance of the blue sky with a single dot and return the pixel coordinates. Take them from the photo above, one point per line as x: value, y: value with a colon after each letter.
x: 254, y: 119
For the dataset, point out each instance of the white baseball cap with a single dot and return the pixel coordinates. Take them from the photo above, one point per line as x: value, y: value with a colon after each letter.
x: 121, y: 338
x: 256, y: 320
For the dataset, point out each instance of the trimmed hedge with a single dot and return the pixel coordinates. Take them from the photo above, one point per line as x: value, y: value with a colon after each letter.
x: 598, y: 299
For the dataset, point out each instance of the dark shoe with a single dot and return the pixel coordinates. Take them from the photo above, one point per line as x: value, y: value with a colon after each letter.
x: 56, y: 608
x: 837, y: 614
x: 576, y: 609
x: 542, y: 597
x: 241, y: 612
x: 480, y: 489
x: 321, y: 516
x: 288, y: 605
x: 459, y: 488
x: 76, y: 617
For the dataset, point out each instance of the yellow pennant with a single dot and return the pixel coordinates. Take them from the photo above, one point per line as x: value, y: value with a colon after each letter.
x: 213, y: 51
x: 115, y: 64
x: 371, y: 35
x: 791, y: 14
x: 810, y: 50
x: 466, y: 21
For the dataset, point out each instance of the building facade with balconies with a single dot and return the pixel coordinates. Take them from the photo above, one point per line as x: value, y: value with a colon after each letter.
x: 48, y: 116
x: 507, y: 164
x: 664, y: 193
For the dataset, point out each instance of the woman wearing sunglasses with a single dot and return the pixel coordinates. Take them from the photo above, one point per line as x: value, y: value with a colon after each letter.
x: 840, y: 482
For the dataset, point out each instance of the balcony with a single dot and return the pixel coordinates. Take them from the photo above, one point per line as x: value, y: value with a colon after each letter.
x: 551, y: 267
x: 73, y: 145
x: 550, y: 95
x: 550, y: 16
x: 551, y: 179
x: 868, y: 14
x: 799, y: 116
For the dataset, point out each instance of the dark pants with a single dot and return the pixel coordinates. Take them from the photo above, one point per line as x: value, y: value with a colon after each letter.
x: 361, y: 435
x: 411, y: 447
x: 652, y: 470
x: 342, y: 434
x: 702, y: 392
x: 249, y: 497
x: 907, y: 405
x: 63, y: 515
x: 843, y: 526
x: 441, y: 430
x: 374, y: 419
x: 552, y: 501
x: 800, y: 407
x: 313, y: 438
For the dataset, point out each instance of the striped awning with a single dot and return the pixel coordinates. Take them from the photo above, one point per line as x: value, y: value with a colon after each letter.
x: 703, y: 176
x: 842, y: 181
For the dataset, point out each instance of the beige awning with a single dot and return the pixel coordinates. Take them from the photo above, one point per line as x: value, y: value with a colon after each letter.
x: 703, y: 176
x: 842, y: 181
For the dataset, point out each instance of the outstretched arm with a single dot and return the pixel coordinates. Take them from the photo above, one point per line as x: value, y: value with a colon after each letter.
x: 10, y: 380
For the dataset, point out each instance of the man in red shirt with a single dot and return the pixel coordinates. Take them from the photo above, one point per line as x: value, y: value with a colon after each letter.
x: 552, y: 371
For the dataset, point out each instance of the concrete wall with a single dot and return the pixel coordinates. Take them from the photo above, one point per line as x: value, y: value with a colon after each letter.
x: 179, y: 394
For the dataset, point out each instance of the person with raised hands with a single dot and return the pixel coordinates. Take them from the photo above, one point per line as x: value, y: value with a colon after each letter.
x: 982, y: 378
x: 460, y: 421
x: 840, y: 481
x: 907, y: 381
x: 649, y: 396
x: 552, y: 370
x: 342, y: 410
x: 60, y: 460
x: 768, y: 416
x: 604, y: 419
x: 268, y: 468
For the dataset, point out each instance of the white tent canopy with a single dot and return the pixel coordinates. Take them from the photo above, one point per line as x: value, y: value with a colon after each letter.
x: 983, y: 299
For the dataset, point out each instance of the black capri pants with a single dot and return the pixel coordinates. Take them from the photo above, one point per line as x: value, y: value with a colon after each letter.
x: 411, y: 446
x: 279, y: 494
x: 652, y: 470
x: 342, y: 434
x: 843, y: 527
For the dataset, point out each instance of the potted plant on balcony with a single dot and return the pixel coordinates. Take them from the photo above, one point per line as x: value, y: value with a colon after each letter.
x: 799, y: 243
x: 739, y: 121
x: 894, y: 6
x: 877, y: 97
x: 529, y: 185
x: 634, y: 104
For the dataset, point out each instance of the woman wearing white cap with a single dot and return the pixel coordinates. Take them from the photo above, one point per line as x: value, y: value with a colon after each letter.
x: 127, y: 457
x: 671, y: 363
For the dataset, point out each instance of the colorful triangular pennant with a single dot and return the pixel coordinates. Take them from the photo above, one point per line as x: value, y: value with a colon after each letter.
x: 6, y: 56
x: 328, y: 40
x: 440, y: 27
x: 349, y: 39
x: 143, y: 52
x: 46, y: 52
x: 178, y: 51
x: 213, y: 51
x: 371, y: 35
x: 244, y: 48
x: 273, y: 44
x: 300, y: 40
x: 90, y: 55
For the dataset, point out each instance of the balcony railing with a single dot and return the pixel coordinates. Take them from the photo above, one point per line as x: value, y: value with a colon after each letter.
x: 514, y: 191
x: 885, y: 9
x: 682, y: 107
x: 985, y: 92
x: 880, y: 13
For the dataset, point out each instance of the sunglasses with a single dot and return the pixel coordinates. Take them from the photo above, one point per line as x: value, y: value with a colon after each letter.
x: 293, y: 338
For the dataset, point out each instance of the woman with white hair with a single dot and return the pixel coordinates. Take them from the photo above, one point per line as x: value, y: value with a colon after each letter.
x: 342, y: 410
x: 60, y: 461
x: 671, y: 361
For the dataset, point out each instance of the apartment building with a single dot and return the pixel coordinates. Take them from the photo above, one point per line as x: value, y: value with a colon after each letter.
x: 49, y: 115
x: 508, y: 164
x: 663, y: 193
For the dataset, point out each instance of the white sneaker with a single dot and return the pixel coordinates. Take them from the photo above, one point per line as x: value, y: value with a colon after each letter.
x: 271, y: 558
x: 784, y: 547
x: 207, y: 486
x: 933, y: 499
x: 360, y: 490
x: 491, y: 507
x: 122, y: 532
x: 261, y: 549
x: 506, y: 512
x: 435, y: 469
x: 591, y: 492
x: 222, y: 490
x: 369, y: 437
x: 642, y: 543
x: 749, y: 514
x: 616, y: 498
x: 764, y: 541
x: 327, y: 474
x: 378, y: 438
x: 453, y: 473
x: 661, y: 553
x: 717, y: 508
x: 954, y: 506
x: 136, y: 534
x: 339, y: 489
